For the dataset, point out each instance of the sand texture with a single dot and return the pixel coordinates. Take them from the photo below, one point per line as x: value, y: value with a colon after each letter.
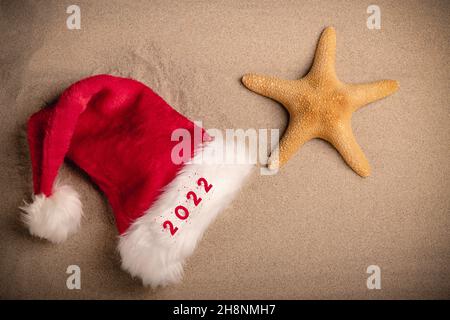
x: 308, y: 232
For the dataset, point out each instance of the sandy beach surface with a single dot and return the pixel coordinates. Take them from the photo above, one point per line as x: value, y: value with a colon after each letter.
x: 308, y: 232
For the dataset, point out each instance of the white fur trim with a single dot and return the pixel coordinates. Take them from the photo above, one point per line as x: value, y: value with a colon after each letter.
x: 56, y: 217
x: 150, y: 252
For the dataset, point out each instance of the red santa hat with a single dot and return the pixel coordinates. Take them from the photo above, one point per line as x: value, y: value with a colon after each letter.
x: 127, y: 139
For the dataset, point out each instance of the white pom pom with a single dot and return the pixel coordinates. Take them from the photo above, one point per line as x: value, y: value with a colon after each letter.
x: 56, y: 217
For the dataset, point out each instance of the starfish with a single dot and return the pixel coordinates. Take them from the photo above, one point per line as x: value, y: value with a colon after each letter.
x: 320, y: 106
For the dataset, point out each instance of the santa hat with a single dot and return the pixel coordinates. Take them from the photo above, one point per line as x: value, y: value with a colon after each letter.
x: 127, y: 139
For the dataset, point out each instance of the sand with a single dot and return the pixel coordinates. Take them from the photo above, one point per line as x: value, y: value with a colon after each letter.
x: 310, y: 231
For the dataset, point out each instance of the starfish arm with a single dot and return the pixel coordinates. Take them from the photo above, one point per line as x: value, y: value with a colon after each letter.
x: 342, y: 138
x: 294, y: 137
x: 363, y: 94
x: 271, y: 87
x: 324, y: 59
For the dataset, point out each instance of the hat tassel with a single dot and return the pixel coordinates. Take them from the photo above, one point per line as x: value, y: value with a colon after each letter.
x: 55, y: 217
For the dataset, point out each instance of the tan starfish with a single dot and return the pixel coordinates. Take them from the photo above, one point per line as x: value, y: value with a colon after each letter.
x: 320, y: 106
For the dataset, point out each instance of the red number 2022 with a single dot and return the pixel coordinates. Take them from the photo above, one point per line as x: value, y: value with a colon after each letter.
x: 185, y: 212
x: 193, y: 196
